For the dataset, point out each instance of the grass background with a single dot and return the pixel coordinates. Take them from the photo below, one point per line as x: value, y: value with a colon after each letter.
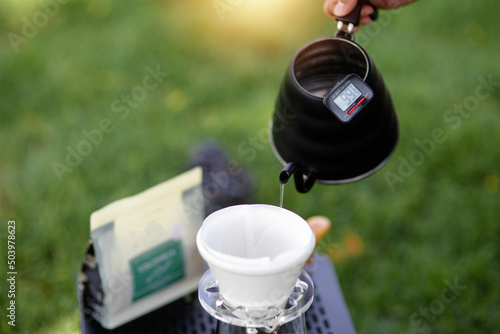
x: 394, y: 245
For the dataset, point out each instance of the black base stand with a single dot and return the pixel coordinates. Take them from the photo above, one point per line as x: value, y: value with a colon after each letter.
x: 328, y: 313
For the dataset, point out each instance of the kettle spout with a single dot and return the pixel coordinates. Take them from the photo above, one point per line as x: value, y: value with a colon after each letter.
x: 302, y: 183
x: 287, y: 172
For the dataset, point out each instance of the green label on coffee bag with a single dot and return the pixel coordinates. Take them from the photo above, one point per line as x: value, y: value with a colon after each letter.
x: 157, y: 268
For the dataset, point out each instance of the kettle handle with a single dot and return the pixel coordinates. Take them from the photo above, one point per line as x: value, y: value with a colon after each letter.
x: 352, y: 19
x: 303, y: 185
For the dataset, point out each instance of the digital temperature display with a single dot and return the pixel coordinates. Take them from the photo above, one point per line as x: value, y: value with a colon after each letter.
x: 348, y: 97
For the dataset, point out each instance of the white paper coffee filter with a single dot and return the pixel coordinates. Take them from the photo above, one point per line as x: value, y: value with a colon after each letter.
x: 255, y: 252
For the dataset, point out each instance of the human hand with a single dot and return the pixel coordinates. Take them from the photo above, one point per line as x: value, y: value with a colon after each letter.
x: 320, y: 226
x: 343, y: 7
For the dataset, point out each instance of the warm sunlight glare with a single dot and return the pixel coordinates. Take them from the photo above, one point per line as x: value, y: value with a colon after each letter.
x: 260, y: 17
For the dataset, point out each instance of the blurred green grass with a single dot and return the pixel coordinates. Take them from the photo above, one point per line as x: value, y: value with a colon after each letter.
x: 437, y: 225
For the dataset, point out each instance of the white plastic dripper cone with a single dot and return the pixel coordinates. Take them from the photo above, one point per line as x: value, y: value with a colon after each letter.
x: 256, y: 253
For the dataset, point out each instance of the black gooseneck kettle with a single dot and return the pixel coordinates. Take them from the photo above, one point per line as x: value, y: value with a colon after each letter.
x: 334, y: 121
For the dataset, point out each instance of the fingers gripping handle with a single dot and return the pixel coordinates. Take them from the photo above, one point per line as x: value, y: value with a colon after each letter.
x: 351, y: 19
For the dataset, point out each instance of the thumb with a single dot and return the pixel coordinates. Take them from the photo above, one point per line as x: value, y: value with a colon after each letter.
x: 344, y: 7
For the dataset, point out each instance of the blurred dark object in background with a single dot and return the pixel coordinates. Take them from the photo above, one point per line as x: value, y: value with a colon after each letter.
x: 225, y: 182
